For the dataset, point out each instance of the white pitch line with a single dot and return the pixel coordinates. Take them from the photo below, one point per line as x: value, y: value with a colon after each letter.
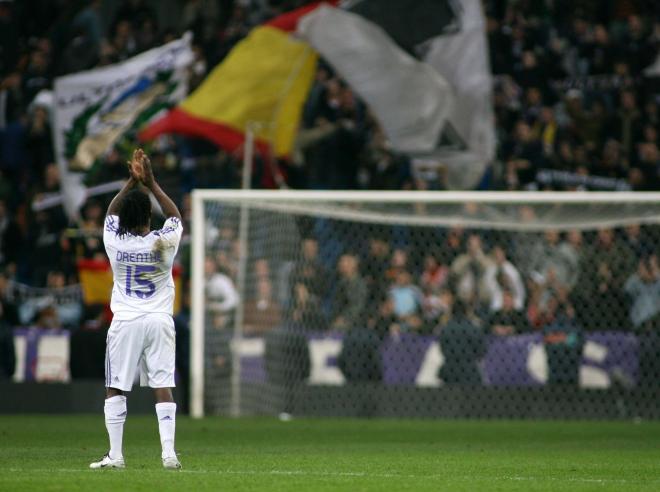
x: 340, y: 474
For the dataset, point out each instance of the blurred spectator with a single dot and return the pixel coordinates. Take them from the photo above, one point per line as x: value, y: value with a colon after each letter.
x: 330, y: 162
x: 261, y: 313
x: 201, y: 16
x: 469, y: 273
x: 599, y: 296
x: 46, y: 244
x: 382, y: 169
x: 137, y: 13
x: 222, y: 295
x: 123, y: 40
x: 437, y: 308
x: 523, y: 155
x: 88, y: 21
x: 612, y: 163
x: 552, y: 262
x: 501, y: 277
x: 350, y: 296
x: 10, y: 237
x: 8, y: 309
x: 374, y: 268
x: 288, y: 364
x: 7, y: 354
x: 9, y: 37
x: 8, y: 321
x: 407, y: 300
x: 53, y: 307
x: 626, y: 125
x: 38, y: 142
x: 463, y: 345
x: 47, y: 317
x: 83, y: 41
x: 573, y: 247
x: 69, y: 311
x: 182, y: 341
x: 563, y: 340
x: 359, y: 359
x: 305, y: 310
x: 88, y: 347
x: 643, y: 288
x: 383, y: 321
x: 91, y: 228
x: 309, y: 271
x: 37, y: 75
x: 453, y: 245
x: 589, y: 125
x: 637, y: 240
x: 435, y: 275
x: 507, y: 319
x: 398, y: 262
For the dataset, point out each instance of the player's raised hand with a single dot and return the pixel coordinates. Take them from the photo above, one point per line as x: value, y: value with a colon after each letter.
x: 147, y: 171
x: 135, y: 167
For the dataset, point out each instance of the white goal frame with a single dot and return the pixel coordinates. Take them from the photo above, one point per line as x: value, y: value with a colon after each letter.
x: 244, y: 197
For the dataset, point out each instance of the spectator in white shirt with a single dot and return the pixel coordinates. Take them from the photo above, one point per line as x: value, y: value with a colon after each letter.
x: 222, y: 295
x: 501, y: 276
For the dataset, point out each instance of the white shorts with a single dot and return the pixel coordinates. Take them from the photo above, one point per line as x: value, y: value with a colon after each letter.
x: 146, y: 342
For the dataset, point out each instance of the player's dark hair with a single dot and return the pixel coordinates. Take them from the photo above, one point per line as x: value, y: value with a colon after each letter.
x: 134, y: 212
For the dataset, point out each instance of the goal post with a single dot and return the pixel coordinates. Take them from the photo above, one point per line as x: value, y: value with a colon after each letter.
x: 267, y: 241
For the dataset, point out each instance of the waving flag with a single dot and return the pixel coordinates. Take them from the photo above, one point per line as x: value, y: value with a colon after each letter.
x: 409, y: 98
x: 265, y: 80
x: 94, y: 110
x: 385, y: 54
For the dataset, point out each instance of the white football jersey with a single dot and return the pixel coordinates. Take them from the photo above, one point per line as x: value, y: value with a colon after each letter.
x: 142, y: 268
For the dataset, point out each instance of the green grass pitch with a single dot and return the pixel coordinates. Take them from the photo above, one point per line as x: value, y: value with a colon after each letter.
x: 45, y: 453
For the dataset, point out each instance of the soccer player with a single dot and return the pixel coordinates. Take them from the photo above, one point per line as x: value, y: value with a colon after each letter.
x: 142, y: 330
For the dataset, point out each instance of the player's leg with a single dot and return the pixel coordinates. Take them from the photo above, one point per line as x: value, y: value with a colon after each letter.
x: 158, y: 373
x: 166, y: 414
x: 115, y: 412
x: 123, y: 347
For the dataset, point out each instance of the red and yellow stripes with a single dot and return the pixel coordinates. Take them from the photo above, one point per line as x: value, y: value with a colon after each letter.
x: 265, y: 79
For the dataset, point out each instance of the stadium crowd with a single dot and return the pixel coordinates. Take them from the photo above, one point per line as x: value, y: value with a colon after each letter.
x: 573, y: 110
x: 457, y: 284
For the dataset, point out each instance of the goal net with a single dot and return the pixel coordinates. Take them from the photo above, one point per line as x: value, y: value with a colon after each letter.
x: 511, y: 305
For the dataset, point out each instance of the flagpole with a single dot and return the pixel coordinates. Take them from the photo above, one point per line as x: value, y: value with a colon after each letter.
x: 248, y: 156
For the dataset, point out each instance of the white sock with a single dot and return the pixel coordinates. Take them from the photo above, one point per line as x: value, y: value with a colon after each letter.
x: 166, y: 413
x: 115, y: 416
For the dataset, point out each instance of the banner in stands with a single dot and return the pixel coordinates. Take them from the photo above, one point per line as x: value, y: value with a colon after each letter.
x: 93, y: 110
x: 435, y: 107
x: 41, y: 355
x: 519, y: 360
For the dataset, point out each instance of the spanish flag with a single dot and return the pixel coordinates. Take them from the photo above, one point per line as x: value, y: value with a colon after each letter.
x: 265, y: 79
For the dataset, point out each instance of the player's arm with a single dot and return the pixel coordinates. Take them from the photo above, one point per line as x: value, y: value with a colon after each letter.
x: 113, y: 208
x: 166, y: 204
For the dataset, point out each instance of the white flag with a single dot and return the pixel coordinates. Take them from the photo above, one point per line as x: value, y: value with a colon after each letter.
x: 409, y: 98
x: 422, y: 67
x: 94, y: 110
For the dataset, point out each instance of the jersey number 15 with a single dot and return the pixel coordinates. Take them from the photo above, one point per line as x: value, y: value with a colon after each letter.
x: 134, y: 277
